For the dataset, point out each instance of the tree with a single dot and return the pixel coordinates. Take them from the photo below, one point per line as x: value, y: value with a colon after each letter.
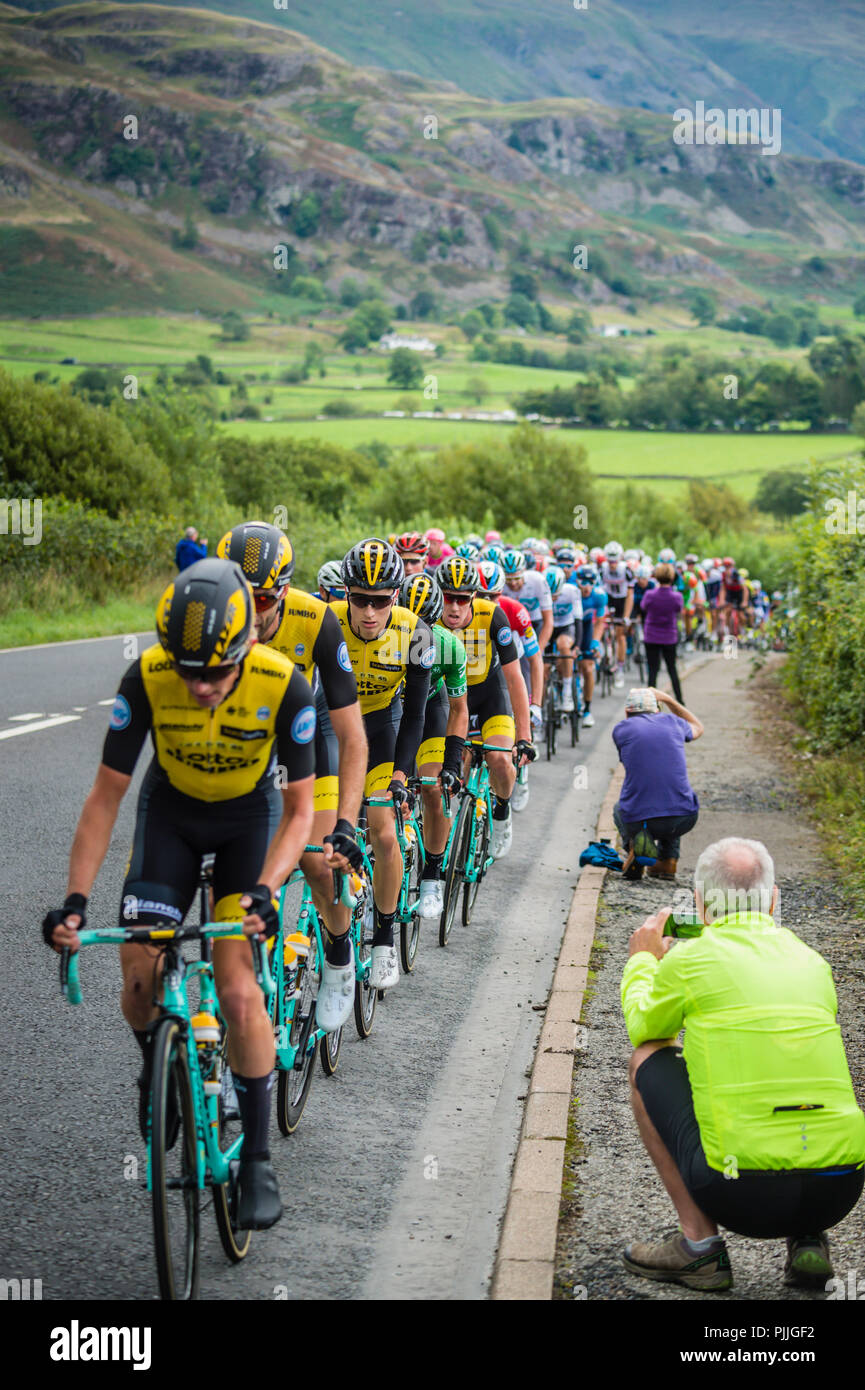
x: 307, y: 215
x: 714, y: 507
x: 521, y: 311
x: 308, y: 287
x: 477, y: 389
x: 859, y: 307
x: 422, y: 305
x: 235, y: 329
x: 405, y: 369
x: 783, y: 493
x: 703, y: 307
x: 782, y: 329
x: 375, y: 314
x: 524, y: 282
x: 472, y: 324
x: 350, y: 294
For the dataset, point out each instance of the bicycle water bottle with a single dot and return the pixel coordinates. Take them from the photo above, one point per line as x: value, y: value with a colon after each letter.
x: 294, y: 953
x: 205, y: 1030
x: 523, y: 774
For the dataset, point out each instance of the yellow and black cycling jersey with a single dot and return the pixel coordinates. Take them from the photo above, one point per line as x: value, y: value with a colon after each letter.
x: 488, y: 640
x: 382, y: 663
x: 266, y: 720
x: 310, y: 636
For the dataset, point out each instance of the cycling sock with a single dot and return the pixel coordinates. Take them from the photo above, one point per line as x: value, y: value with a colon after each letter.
x: 253, y: 1099
x: 502, y: 808
x: 702, y: 1247
x: 383, y: 932
x: 587, y: 705
x: 433, y: 866
x: 338, y: 949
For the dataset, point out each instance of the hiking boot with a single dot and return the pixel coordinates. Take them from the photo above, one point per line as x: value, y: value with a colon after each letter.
x: 631, y: 870
x: 671, y: 1262
x: 808, y: 1264
x: 664, y: 868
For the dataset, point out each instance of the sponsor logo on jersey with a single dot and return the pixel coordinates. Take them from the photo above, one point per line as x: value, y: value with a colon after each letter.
x: 261, y: 671
x: 161, y: 666
x: 121, y: 714
x: 133, y: 907
x: 263, y: 712
x: 505, y: 637
x: 165, y: 728
x: 231, y: 731
x: 427, y: 658
x: 299, y: 648
x: 303, y: 724
x: 242, y: 713
x: 342, y: 657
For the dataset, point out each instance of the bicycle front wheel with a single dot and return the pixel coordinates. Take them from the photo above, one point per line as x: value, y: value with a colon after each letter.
x: 292, y: 1087
x: 454, y: 871
x: 235, y: 1242
x: 409, y: 928
x: 365, y: 998
x: 174, y: 1166
x: 481, y: 854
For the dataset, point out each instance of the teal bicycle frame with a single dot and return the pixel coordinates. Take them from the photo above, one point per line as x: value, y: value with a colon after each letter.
x: 212, y: 1163
x: 411, y: 846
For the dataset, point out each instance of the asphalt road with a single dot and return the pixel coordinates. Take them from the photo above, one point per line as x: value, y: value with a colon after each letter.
x: 396, y: 1181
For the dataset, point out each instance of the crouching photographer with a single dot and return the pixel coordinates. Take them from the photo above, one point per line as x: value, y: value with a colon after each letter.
x: 754, y: 1125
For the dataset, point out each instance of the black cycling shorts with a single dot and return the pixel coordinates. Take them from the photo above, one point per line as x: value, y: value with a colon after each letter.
x: 173, y: 832
x: 573, y: 630
x: 490, y: 711
x: 616, y: 606
x: 771, y: 1203
x: 382, y: 727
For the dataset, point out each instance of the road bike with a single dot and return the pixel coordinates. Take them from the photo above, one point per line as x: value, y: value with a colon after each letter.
x: 186, y: 1052
x: 468, y: 855
x: 410, y: 841
x: 605, y: 662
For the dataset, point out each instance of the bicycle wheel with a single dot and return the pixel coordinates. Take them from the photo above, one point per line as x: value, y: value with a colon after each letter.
x: 235, y: 1242
x: 409, y: 929
x: 481, y: 854
x: 365, y: 998
x: 174, y: 1171
x: 330, y: 1045
x: 292, y: 1087
x: 454, y: 871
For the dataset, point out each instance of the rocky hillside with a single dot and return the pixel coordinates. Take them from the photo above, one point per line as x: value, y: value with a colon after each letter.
x: 249, y: 135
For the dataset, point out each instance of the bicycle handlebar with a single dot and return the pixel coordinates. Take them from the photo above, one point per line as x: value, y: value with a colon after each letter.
x: 143, y: 936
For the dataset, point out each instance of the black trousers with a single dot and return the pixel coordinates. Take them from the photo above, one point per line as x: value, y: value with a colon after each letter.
x: 667, y: 650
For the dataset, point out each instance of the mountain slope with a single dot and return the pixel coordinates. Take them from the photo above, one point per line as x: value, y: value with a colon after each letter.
x: 240, y: 122
x: 654, y: 54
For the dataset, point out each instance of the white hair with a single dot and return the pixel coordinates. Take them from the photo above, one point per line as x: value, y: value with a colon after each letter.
x: 735, y: 875
x: 191, y: 533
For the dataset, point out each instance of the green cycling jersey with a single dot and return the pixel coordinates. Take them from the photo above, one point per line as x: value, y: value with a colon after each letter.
x: 450, y: 663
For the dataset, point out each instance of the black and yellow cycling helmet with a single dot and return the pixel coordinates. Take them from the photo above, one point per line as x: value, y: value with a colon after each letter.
x: 206, y: 615
x: 263, y: 552
x: 457, y: 575
x: 372, y: 564
x: 423, y: 597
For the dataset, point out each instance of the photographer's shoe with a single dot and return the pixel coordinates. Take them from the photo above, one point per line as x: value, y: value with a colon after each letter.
x: 808, y: 1265
x: 671, y: 1262
x: 665, y: 868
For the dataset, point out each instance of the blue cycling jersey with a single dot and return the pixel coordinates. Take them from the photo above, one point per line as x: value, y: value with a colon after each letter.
x: 595, y: 606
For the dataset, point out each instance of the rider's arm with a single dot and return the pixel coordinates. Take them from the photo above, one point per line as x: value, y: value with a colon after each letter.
x: 519, y: 700
x: 330, y: 655
x: 629, y: 602
x: 93, y: 835
x: 546, y: 631
x: 536, y: 670
x: 414, y: 698
x: 294, y: 738
x: 600, y: 619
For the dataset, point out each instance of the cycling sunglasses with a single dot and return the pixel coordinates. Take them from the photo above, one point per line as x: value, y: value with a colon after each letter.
x: 266, y: 598
x: 208, y: 675
x: 370, y: 600
x: 336, y: 594
x: 461, y: 599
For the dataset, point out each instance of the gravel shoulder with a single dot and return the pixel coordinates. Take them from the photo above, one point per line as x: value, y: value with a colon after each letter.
x: 611, y: 1194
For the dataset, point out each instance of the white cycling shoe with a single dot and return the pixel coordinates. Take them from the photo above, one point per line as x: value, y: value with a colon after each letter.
x: 568, y: 700
x: 588, y: 720
x: 432, y: 898
x: 620, y: 678
x: 384, y: 970
x: 520, y: 796
x: 503, y: 834
x: 335, y: 995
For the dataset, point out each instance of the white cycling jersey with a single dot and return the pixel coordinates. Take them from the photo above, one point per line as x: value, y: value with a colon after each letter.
x: 534, y: 595
x: 618, y: 581
x: 567, y: 606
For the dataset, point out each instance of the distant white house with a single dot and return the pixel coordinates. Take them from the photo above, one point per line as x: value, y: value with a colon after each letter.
x: 614, y: 330
x: 389, y: 341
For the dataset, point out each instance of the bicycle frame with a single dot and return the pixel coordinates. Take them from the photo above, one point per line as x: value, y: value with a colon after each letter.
x: 405, y: 827
x: 212, y: 1163
x: 478, y: 787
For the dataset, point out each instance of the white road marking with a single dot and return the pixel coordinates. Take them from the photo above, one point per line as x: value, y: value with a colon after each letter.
x: 106, y: 702
x: 35, y: 714
x: 40, y: 724
x: 71, y: 642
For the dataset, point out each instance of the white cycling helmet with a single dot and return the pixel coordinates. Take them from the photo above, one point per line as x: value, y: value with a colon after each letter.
x: 613, y: 550
x: 667, y: 556
x: 632, y: 555
x: 644, y: 571
x: 330, y: 575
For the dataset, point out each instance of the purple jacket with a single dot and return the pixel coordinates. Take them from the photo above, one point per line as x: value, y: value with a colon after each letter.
x: 660, y: 608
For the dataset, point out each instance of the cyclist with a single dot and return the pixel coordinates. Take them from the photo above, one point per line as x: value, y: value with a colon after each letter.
x: 439, y: 549
x: 413, y: 549
x: 304, y: 629
x: 528, y: 650
x: 690, y: 598
x: 330, y: 586
x: 223, y: 714
x: 617, y: 580
x: 530, y: 589
x: 567, y: 629
x: 389, y: 648
x: 496, y: 685
x: 732, y: 597
x: 594, y: 601
x: 446, y: 724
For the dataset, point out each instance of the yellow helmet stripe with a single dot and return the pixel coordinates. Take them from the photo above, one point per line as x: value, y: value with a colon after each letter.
x: 373, y: 555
